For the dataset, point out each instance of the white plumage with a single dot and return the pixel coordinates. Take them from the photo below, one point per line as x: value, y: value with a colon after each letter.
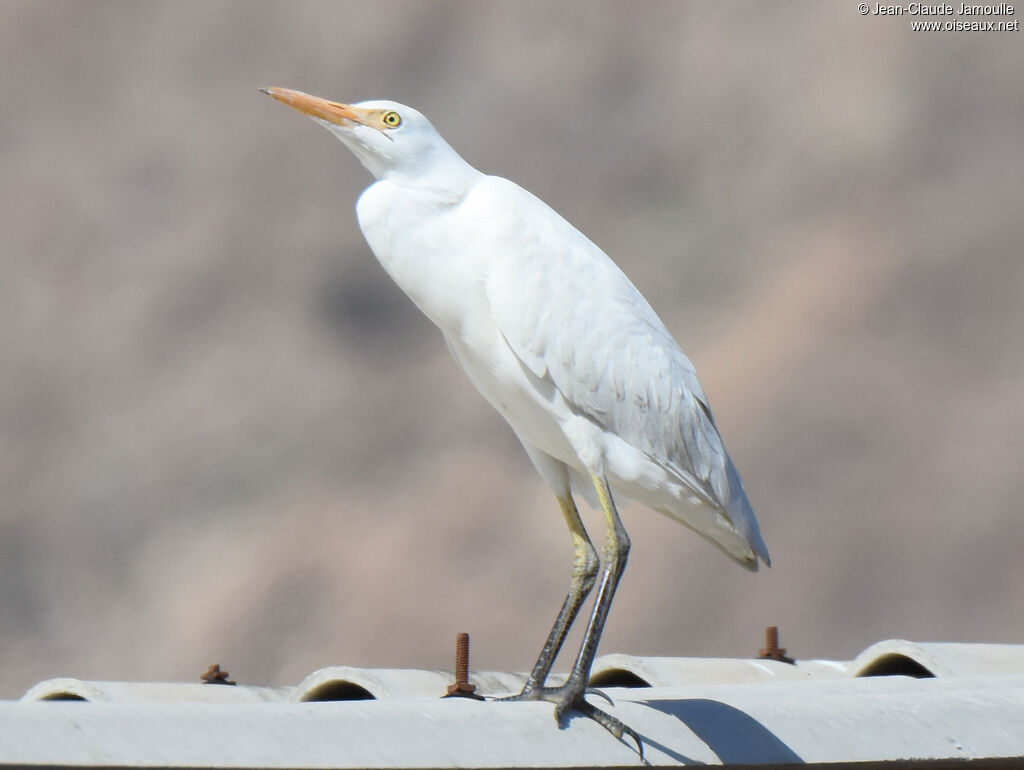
x: 551, y: 332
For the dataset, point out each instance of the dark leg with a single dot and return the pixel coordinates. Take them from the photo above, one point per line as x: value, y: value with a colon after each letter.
x: 616, y: 552
x: 571, y: 694
x: 584, y: 573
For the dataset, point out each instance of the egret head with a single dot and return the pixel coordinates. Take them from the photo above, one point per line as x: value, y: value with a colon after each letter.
x: 387, y: 137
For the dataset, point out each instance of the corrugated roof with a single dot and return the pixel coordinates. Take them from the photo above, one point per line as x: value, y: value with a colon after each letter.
x: 897, y: 701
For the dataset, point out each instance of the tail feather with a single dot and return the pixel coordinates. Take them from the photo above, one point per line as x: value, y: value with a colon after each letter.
x: 741, y: 515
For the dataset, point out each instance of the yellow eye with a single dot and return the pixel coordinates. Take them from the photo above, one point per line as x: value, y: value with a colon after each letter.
x: 392, y: 119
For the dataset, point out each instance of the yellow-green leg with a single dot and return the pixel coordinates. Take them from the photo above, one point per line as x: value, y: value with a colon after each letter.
x: 584, y: 572
x: 616, y: 551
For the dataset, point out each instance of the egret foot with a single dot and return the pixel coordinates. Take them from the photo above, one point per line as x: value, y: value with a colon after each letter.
x: 571, y: 696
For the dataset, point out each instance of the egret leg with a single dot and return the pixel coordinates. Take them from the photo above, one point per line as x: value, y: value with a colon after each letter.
x: 571, y: 694
x: 616, y: 552
x: 584, y: 573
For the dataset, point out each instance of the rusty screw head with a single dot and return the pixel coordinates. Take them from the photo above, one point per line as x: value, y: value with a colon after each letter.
x: 461, y: 687
x: 213, y: 675
x: 771, y: 649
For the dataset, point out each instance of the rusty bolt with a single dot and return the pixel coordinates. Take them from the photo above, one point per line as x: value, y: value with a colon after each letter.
x: 462, y: 688
x: 771, y: 649
x: 213, y: 675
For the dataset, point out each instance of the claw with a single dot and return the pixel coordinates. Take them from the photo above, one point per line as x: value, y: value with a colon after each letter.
x: 595, y: 691
x: 612, y: 725
x: 566, y: 698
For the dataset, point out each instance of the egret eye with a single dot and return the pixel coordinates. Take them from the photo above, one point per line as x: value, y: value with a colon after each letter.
x: 392, y: 119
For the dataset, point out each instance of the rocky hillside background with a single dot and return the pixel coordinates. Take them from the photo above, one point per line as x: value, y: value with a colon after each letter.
x: 226, y: 437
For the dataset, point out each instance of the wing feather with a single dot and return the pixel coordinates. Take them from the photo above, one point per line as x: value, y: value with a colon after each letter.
x: 571, y: 315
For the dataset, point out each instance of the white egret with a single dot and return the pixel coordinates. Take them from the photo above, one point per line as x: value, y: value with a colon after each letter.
x: 559, y: 341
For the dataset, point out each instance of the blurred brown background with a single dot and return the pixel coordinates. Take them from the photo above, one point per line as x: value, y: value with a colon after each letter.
x: 225, y: 436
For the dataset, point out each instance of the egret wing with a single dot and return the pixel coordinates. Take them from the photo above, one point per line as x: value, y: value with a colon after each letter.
x: 571, y: 315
